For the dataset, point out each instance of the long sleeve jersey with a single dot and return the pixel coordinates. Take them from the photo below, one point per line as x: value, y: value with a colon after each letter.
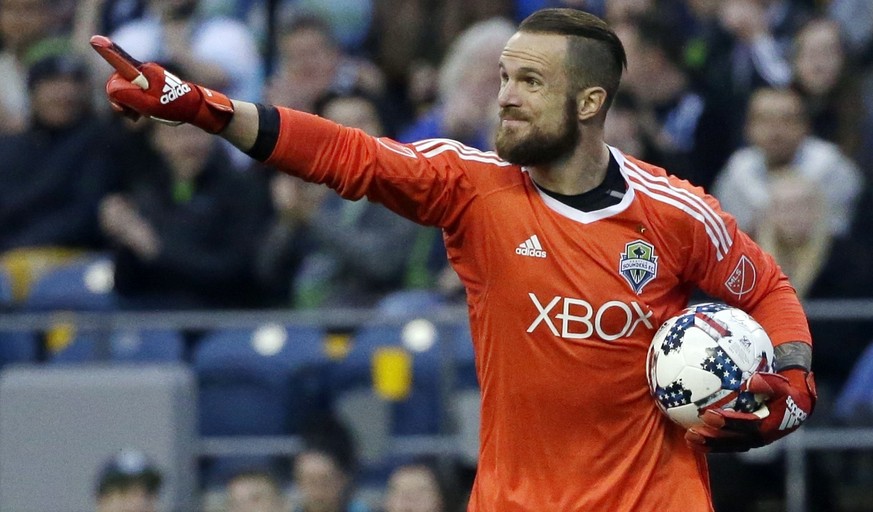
x: 563, y: 305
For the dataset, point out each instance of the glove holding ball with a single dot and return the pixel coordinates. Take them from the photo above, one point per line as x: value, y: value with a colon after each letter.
x: 791, y: 399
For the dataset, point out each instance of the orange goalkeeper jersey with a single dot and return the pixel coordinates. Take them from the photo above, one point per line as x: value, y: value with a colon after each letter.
x: 563, y: 305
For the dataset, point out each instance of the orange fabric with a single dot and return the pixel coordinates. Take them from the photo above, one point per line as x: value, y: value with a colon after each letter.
x: 560, y: 333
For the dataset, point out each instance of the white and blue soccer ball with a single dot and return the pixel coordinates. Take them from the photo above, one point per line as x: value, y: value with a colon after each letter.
x: 700, y: 358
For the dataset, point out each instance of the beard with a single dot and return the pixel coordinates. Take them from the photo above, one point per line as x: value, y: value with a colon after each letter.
x: 540, y: 147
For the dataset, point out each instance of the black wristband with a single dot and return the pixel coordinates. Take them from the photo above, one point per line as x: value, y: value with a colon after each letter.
x: 268, y: 132
x: 792, y: 354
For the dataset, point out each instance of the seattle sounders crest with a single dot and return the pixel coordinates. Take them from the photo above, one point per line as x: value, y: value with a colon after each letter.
x: 638, y: 264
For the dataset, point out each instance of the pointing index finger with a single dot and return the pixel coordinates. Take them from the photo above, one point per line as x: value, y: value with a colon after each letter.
x: 126, y: 65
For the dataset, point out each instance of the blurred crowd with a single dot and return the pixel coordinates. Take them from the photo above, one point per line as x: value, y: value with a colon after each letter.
x: 766, y: 104
x: 321, y: 479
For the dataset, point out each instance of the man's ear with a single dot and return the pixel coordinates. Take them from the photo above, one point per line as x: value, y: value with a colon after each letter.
x: 591, y: 101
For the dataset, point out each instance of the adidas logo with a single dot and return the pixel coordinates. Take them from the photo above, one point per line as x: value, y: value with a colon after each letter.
x: 794, y: 415
x: 531, y: 247
x: 173, y: 88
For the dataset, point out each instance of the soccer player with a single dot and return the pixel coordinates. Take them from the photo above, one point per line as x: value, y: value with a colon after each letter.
x: 572, y: 253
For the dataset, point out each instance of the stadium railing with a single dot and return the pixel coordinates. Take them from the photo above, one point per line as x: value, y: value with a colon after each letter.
x: 796, y: 447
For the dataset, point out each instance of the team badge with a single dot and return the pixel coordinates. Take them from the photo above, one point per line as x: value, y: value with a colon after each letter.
x: 638, y: 264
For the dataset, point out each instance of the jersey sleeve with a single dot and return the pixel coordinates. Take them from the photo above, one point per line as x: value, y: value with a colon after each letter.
x: 431, y: 189
x: 726, y: 263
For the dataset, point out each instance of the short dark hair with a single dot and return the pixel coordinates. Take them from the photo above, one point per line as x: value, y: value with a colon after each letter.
x: 326, y: 434
x: 595, y: 55
x: 129, y: 468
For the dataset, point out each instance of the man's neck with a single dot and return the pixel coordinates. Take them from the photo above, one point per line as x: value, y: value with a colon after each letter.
x: 582, y: 171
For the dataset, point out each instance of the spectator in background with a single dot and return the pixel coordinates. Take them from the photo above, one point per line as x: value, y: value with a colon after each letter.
x: 762, y: 31
x: 465, y: 109
x: 409, y: 38
x: 617, y: 12
x: 254, y: 491
x: 778, y: 129
x: 855, y: 18
x: 287, y: 241
x: 128, y: 482
x: 27, y: 29
x: 311, y: 63
x: 52, y: 178
x: 623, y: 129
x: 324, y: 470
x: 675, y: 118
x: 829, y: 87
x: 348, y: 253
x: 184, y: 234
x: 454, y: 17
x: 738, y: 47
x: 795, y: 230
x: 418, y: 487
x: 349, y: 20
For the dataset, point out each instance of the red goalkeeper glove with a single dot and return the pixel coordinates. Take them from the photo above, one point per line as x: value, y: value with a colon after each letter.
x: 148, y: 89
x: 791, y: 400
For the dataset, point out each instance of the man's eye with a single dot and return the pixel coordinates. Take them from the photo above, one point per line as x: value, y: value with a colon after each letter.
x: 532, y: 81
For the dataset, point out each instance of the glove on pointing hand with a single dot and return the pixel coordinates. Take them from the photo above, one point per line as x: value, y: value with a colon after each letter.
x: 148, y: 89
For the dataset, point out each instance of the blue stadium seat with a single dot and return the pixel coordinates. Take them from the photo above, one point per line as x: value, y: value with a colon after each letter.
x: 458, y: 334
x: 466, y: 396
x: 85, y: 284
x: 15, y: 346
x: 6, y: 297
x: 253, y: 382
x: 18, y: 347
x: 409, y: 303
x: 417, y: 414
x: 124, y: 345
x: 245, y: 375
x: 854, y: 404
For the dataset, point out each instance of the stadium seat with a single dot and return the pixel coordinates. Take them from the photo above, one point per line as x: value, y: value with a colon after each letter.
x: 18, y: 347
x: 15, y: 346
x: 124, y: 345
x: 85, y: 284
x: 361, y: 400
x: 6, y: 298
x: 409, y: 303
x: 255, y: 382
x: 854, y: 404
x: 464, y: 406
x: 458, y: 334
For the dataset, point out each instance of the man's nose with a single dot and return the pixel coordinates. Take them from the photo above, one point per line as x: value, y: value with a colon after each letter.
x: 508, y: 95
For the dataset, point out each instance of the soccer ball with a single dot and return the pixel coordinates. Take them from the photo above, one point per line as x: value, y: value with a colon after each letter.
x: 699, y: 359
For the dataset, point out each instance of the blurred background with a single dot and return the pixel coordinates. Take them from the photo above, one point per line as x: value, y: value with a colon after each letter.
x: 182, y: 329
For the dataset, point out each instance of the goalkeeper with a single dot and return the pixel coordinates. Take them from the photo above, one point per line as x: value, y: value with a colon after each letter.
x: 571, y: 252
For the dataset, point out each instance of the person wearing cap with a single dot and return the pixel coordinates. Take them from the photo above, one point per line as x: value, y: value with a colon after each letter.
x: 129, y: 482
